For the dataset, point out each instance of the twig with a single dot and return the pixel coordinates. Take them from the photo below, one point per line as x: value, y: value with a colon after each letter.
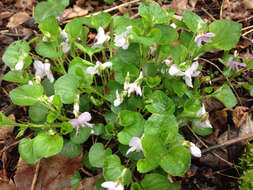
x: 229, y: 142
x: 12, y: 34
x: 35, y: 177
x: 204, y: 144
x: 211, y: 16
x: 248, y: 27
x: 229, y: 83
x: 228, y: 176
x: 248, y: 32
x: 86, y: 172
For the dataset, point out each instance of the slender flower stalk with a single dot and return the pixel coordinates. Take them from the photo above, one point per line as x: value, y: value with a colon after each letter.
x: 65, y: 44
x: 135, y: 86
x: 204, y: 38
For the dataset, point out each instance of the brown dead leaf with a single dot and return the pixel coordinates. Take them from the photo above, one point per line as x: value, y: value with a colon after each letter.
x: 7, y: 186
x: 6, y: 132
x: 88, y: 183
x: 23, y: 4
x: 234, y: 10
x: 211, y: 104
x: 5, y: 14
x: 54, y: 173
x: 179, y: 5
x: 18, y: 19
x: 193, y: 3
x: 240, y: 113
x: 248, y: 4
x: 246, y: 128
x: 72, y: 13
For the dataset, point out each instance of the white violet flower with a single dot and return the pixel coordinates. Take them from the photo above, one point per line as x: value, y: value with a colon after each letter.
x: 42, y: 70
x: 101, y: 38
x: 195, y: 151
x: 119, y: 99
x: 135, y: 144
x: 110, y: 185
x: 135, y: 86
x: 122, y: 40
x: 98, y: 68
x: 204, y: 38
x: 187, y: 75
x: 81, y: 121
x: 65, y: 44
x: 203, y: 120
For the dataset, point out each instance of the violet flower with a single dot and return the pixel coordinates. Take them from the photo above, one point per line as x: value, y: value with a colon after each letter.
x: 111, y: 185
x: 195, y: 151
x: 101, y: 38
x: 65, y: 44
x: 135, y: 144
x: 42, y: 70
x: 122, y: 40
x: 135, y: 86
x: 203, y: 38
x: 82, y: 121
x: 98, y: 68
x: 203, y: 120
x: 235, y: 65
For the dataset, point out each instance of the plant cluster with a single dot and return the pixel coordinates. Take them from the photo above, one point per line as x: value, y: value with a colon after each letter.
x: 130, y: 91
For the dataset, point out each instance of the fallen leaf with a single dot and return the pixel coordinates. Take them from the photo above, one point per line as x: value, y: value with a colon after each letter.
x: 72, y: 13
x: 7, y: 186
x: 239, y: 115
x: 246, y: 128
x: 179, y: 5
x: 193, y: 3
x: 234, y: 10
x: 88, y: 183
x: 5, y: 14
x: 54, y: 173
x: 18, y: 19
x: 23, y: 4
x: 212, y: 104
x: 6, y: 132
x: 248, y: 4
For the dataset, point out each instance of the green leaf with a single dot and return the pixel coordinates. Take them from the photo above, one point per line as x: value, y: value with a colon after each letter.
x: 156, y: 181
x: 135, y: 186
x: 149, y: 39
x: 52, y: 116
x: 46, y: 145
x: 70, y: 149
x: 133, y: 126
x: 57, y: 102
x: 200, y: 130
x: 153, y: 81
x: 227, y: 33
x: 154, y: 149
x: 177, y: 52
x: 194, y: 22
x: 152, y: 12
x: 191, y: 107
x: 47, y: 49
x: 49, y: 27
x: 97, y: 155
x: 82, y: 136
x: 74, y: 29
x: 15, y: 76
x: 131, y: 55
x: 160, y: 103
x: 86, y: 49
x: 66, y: 128
x: 49, y: 8
x: 168, y: 34
x: 102, y: 19
x: 26, y: 95
x: 38, y: 112
x: 26, y: 151
x: 5, y: 121
x: 78, y: 68
x: 179, y: 87
x: 112, y: 168
x: 17, y: 51
x: 48, y: 87
x: 163, y: 125
x: 75, y: 180
x: 177, y: 161
x: 226, y: 96
x: 66, y: 87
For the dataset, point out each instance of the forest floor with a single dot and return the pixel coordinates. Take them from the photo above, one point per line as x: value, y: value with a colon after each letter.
x: 214, y: 170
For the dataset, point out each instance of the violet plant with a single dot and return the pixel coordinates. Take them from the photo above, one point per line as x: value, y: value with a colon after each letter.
x: 142, y: 86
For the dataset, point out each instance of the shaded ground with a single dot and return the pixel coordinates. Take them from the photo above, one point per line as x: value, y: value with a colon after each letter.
x: 210, y: 172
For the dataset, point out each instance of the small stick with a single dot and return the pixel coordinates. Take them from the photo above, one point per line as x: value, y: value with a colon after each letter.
x: 12, y: 34
x: 35, y: 177
x: 86, y: 172
x: 229, y: 142
x: 204, y: 144
x: 211, y: 16
x: 247, y: 32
